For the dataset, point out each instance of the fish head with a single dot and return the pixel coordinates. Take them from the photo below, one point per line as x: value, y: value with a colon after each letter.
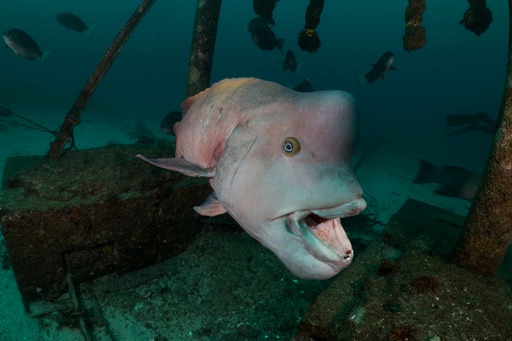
x: 285, y: 176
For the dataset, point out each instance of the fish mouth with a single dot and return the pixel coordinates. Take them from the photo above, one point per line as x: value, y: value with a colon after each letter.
x: 322, y: 232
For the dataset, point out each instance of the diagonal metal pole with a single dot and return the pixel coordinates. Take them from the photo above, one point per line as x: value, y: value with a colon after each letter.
x: 488, y: 229
x: 72, y: 119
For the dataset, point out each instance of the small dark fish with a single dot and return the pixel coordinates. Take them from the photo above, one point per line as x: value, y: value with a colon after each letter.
x: 380, y: 68
x: 262, y: 34
x: 455, y: 181
x: 71, y: 22
x: 479, y: 121
x: 304, y: 86
x: 23, y: 45
x: 290, y: 63
x: 169, y: 120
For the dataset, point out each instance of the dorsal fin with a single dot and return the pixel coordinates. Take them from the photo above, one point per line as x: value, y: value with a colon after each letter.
x: 230, y: 83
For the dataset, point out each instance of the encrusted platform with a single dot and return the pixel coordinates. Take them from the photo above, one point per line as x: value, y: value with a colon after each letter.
x: 92, y: 213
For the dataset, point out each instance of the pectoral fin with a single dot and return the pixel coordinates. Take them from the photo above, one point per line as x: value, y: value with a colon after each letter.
x: 210, y: 207
x: 180, y: 165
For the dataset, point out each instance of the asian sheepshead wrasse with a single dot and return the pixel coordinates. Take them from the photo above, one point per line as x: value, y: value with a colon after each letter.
x: 279, y: 163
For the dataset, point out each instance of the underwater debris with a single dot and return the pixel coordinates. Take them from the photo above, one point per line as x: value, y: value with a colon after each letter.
x: 424, y: 284
x: 477, y: 18
x: 415, y: 36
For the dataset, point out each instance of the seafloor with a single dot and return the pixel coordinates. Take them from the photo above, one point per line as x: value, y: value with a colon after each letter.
x: 226, y: 286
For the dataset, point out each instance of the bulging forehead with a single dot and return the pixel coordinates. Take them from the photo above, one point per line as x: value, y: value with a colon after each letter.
x: 324, y: 123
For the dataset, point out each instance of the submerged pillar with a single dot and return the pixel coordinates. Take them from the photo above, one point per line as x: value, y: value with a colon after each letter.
x: 488, y: 228
x: 415, y: 36
x: 203, y: 45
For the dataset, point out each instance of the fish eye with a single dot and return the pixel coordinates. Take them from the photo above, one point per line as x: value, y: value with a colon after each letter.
x: 291, y: 146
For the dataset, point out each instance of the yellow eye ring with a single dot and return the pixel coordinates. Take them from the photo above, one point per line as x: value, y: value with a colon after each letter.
x: 291, y: 146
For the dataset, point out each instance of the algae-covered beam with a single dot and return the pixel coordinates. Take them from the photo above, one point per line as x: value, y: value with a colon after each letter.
x: 477, y: 18
x: 309, y: 40
x: 415, y: 36
x: 72, y: 119
x: 488, y: 228
x: 203, y: 45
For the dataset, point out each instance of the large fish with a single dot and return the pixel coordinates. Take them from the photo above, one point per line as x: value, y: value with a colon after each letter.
x: 279, y: 163
x: 454, y: 181
x: 379, y: 69
x: 23, y: 44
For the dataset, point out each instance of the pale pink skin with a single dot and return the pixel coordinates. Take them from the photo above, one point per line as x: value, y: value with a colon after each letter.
x: 233, y: 132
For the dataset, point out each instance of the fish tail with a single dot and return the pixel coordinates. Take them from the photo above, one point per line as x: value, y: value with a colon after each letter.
x: 362, y: 80
x: 90, y: 29
x: 43, y: 56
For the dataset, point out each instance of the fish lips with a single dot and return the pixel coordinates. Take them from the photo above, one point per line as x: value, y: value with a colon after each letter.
x: 323, y: 235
